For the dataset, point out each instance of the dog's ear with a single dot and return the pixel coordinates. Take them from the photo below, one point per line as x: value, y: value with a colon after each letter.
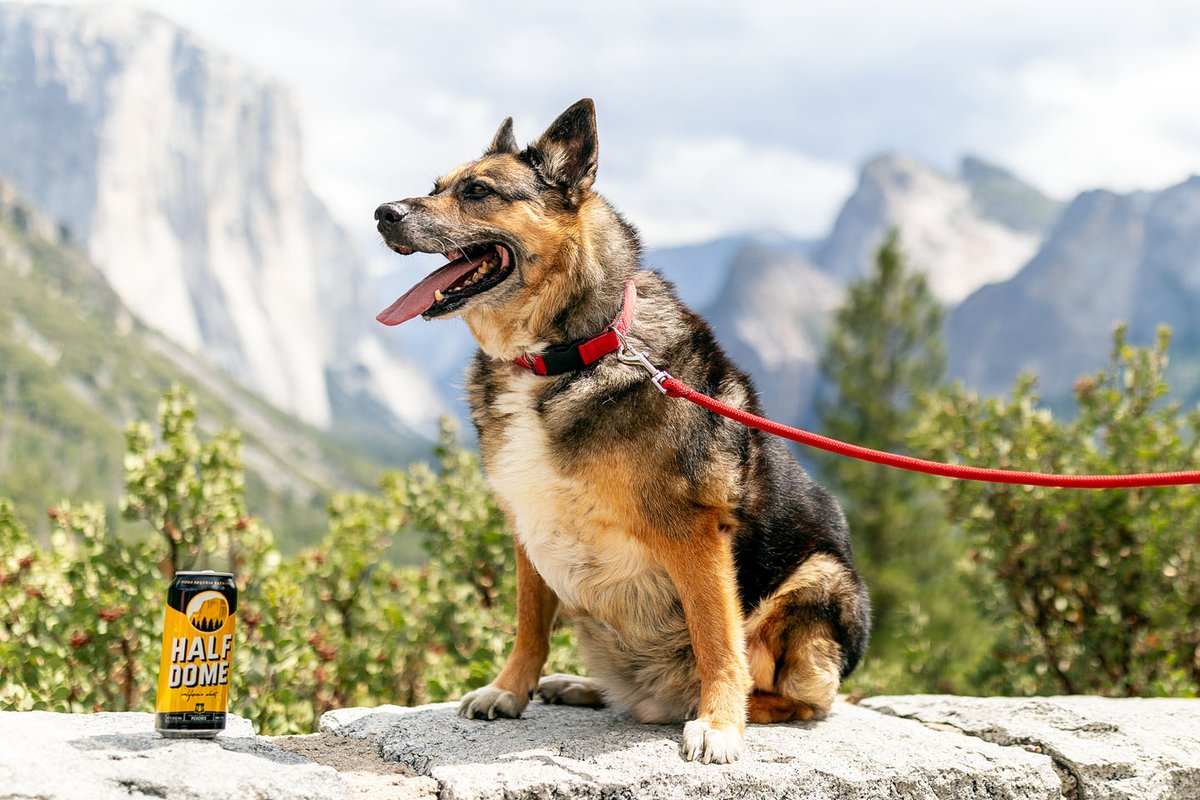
x: 503, y: 141
x: 565, y: 155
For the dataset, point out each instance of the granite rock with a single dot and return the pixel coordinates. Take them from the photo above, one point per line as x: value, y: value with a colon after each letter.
x: 1104, y: 748
x: 563, y: 752
x: 887, y: 747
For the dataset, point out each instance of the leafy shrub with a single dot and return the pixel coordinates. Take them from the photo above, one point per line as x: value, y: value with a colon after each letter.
x: 191, y: 493
x: 337, y: 625
x: 1093, y: 591
x: 74, y: 634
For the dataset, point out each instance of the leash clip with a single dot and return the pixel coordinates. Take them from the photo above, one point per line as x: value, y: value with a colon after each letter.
x: 627, y: 354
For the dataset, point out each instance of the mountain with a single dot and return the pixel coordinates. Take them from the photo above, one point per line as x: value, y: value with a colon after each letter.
x: 76, y: 366
x: 964, y: 231
x: 771, y: 317
x: 700, y: 271
x: 1132, y: 258
x: 1030, y: 285
x: 777, y: 296
x: 1004, y: 198
x: 179, y: 172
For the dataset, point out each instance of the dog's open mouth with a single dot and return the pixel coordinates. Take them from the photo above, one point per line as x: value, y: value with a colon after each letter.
x: 471, y: 271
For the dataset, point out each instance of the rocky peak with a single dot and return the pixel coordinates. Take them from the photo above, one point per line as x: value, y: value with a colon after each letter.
x: 944, y: 229
x: 771, y: 317
x: 28, y: 220
x: 179, y: 170
x: 1110, y: 258
x: 1005, y: 198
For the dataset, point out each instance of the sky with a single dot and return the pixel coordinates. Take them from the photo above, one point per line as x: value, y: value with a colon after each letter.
x: 717, y: 117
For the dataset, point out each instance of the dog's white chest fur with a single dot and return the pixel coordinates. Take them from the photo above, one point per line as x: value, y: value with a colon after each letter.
x: 576, y: 539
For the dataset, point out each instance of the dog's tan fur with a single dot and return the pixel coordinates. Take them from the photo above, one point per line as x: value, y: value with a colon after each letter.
x: 639, y: 518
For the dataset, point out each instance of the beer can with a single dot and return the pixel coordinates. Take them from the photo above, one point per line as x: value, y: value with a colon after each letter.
x: 197, y: 655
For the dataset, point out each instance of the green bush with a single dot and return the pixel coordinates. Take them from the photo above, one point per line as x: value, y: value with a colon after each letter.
x: 192, y: 494
x: 74, y: 632
x: 337, y: 625
x: 1092, y: 591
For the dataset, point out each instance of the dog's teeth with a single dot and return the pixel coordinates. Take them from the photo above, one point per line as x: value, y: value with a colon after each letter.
x: 437, y: 295
x: 485, y: 268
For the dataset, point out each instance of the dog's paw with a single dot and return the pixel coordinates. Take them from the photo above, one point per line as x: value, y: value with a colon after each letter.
x: 490, y: 702
x: 703, y: 741
x: 570, y: 690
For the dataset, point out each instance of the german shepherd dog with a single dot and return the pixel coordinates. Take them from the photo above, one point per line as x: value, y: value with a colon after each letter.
x: 709, y: 578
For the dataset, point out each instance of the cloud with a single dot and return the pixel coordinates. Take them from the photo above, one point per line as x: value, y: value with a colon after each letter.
x: 720, y: 97
x: 1124, y: 125
x: 382, y: 155
x: 691, y: 189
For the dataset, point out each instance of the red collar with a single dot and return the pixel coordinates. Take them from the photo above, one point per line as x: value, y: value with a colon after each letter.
x: 579, y: 354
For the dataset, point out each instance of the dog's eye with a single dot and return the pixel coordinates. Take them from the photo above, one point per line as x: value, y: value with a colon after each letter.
x: 476, y: 191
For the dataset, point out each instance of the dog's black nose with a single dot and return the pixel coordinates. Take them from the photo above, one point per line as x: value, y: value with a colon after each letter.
x: 390, y: 213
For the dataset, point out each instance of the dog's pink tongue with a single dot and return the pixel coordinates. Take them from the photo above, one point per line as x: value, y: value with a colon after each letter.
x: 419, y: 298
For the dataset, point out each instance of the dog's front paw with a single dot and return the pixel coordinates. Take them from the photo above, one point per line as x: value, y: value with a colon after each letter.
x: 490, y: 702
x: 712, y: 744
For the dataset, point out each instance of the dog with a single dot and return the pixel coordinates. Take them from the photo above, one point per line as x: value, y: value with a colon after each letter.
x: 710, y: 579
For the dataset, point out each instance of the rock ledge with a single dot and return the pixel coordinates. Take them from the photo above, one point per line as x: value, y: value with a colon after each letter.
x: 886, y: 747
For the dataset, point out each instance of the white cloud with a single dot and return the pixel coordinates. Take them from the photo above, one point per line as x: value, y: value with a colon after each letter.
x: 362, y: 159
x: 1125, y: 125
x: 691, y: 189
x: 728, y: 98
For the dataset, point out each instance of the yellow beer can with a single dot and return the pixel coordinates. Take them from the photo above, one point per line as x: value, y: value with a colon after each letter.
x: 197, y: 655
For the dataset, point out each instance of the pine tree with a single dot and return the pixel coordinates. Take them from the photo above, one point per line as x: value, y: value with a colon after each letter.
x: 884, y: 353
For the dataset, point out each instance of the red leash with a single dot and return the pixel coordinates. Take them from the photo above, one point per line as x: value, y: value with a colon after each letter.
x: 673, y: 387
